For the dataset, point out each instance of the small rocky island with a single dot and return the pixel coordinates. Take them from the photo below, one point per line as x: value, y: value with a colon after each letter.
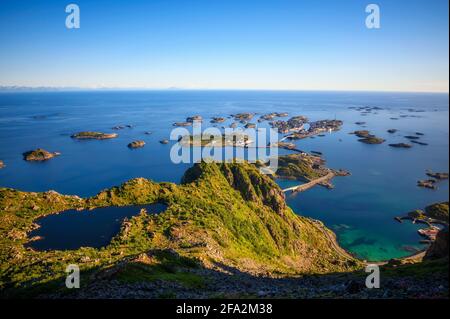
x: 38, y: 155
x: 427, y: 183
x: 237, y: 140
x: 419, y: 143
x: 400, y: 145
x: 94, y: 135
x: 412, y: 137
x: 361, y: 133
x: 217, y: 120
x: 431, y: 183
x: 182, y: 124
x: 315, y: 128
x: 367, y: 138
x: 136, y: 144
x: 271, y: 116
x: 2, y: 165
x: 438, y: 176
x: 194, y: 118
x: 189, y: 121
x: 121, y: 127
x: 242, y: 117
x: 372, y: 140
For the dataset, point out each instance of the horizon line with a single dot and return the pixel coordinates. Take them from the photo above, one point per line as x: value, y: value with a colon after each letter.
x: 5, y: 88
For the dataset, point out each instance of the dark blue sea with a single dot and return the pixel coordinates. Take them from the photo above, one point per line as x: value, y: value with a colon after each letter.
x: 360, y: 209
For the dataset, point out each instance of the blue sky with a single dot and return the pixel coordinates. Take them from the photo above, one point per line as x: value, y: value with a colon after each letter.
x: 227, y: 44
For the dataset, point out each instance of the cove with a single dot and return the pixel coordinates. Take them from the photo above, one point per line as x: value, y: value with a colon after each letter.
x: 72, y: 229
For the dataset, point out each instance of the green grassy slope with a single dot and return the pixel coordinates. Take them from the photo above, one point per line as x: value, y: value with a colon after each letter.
x: 225, y: 214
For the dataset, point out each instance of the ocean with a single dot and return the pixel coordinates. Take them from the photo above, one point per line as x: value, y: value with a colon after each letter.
x: 360, y: 208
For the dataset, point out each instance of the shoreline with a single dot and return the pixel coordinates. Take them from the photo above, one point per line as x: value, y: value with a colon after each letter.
x: 415, y: 257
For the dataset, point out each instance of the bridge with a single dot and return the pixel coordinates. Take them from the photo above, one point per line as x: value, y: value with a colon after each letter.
x: 304, y: 187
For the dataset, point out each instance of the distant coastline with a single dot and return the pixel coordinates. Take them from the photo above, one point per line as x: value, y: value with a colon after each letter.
x: 19, y: 88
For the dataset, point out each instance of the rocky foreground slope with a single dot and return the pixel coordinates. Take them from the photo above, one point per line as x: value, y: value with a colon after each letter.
x: 227, y: 232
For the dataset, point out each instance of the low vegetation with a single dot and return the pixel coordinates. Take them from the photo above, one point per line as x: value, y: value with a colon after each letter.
x: 438, y: 211
x: 302, y: 167
x: 222, y: 214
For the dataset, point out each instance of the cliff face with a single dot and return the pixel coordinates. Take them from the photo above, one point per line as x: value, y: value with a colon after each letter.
x: 246, y: 179
x: 439, y: 248
x: 254, y: 186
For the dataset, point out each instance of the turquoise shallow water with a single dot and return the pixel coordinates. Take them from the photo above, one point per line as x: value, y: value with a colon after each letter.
x: 360, y: 208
